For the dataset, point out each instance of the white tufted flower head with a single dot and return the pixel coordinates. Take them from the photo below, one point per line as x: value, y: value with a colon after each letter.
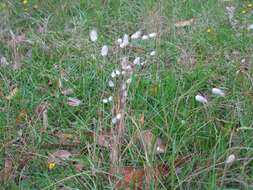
x: 113, y: 75
x: 137, y: 61
x: 218, y: 92
x: 119, y: 41
x: 136, y: 35
x: 117, y: 72
x: 104, y: 50
x: 144, y: 37
x: 111, y: 84
x: 129, y: 81
x: 105, y: 101
x: 110, y: 99
x: 93, y: 35
x: 152, y: 53
x: 152, y: 35
x: 73, y: 102
x: 201, y: 99
x: 118, y: 116
x: 125, y: 41
x: 230, y: 159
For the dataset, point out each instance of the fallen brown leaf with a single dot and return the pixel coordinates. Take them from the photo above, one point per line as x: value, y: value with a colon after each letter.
x: 16, y: 39
x: 136, y: 178
x: 25, y: 160
x: 45, y: 118
x: 149, y: 143
x: 59, y: 156
x: 3, y: 61
x: 6, y: 172
x: 21, y: 117
x: 103, y: 138
x: 40, y: 113
x: 142, y: 119
x: 67, y: 91
x: 13, y: 92
x: 65, y: 137
x: 184, y: 23
x: 78, y: 166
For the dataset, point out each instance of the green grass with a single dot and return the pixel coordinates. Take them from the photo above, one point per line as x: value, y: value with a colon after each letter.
x: 164, y: 91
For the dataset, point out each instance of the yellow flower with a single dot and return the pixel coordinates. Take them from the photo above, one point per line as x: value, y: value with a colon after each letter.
x: 51, y: 165
x: 25, y: 2
x: 250, y: 5
x: 209, y: 30
x: 244, y: 11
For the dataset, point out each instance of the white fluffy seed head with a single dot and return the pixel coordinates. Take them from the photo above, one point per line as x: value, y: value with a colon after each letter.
x: 119, y: 41
x: 218, y: 92
x: 160, y: 149
x: 118, y: 116
x: 129, y: 81
x: 93, y: 35
x: 201, y: 99
x: 125, y: 41
x: 114, y: 120
x: 123, y: 86
x: 110, y: 99
x: 125, y: 93
x: 230, y: 159
x: 136, y: 35
x: 104, y: 50
x: 111, y: 84
x: 144, y: 37
x: 123, y: 72
x: 128, y: 67
x: 3, y: 61
x: 105, y: 101
x: 152, y: 35
x: 125, y: 38
x: 137, y: 61
x: 113, y: 75
x: 117, y: 72
x: 250, y: 27
x: 152, y: 53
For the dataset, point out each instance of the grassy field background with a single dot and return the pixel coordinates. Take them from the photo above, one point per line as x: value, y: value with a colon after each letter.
x: 210, y: 52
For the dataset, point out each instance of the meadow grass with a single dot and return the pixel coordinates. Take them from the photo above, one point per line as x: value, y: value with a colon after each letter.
x: 189, y: 60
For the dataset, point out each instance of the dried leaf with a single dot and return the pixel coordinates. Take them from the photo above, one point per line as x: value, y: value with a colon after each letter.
x: 187, y: 59
x: 25, y: 160
x: 6, y: 172
x: 184, y: 23
x: 45, y: 118
x: 13, y: 92
x: 142, y: 119
x: 40, y: 113
x: 78, y: 166
x: 103, y: 138
x: 16, y: 39
x: 21, y: 117
x: 58, y: 156
x: 64, y: 137
x: 67, y: 91
x: 136, y: 178
x: 3, y: 61
x: 146, y: 139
